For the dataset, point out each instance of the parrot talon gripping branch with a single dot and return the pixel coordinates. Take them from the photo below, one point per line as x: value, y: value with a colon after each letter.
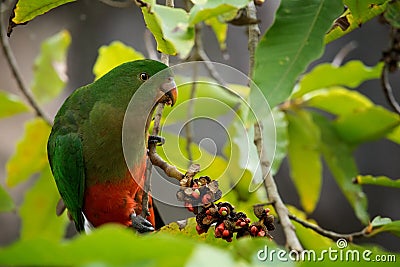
x: 157, y: 140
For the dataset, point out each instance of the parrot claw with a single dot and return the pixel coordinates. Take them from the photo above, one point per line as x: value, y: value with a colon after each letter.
x: 155, y: 139
x: 140, y: 224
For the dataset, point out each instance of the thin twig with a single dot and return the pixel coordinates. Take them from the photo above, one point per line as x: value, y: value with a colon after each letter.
x: 343, y: 52
x: 387, y: 89
x: 190, y: 114
x: 272, y: 191
x: 12, y: 62
x: 154, y: 158
x: 212, y: 71
x: 151, y: 50
x: 152, y: 147
x: 330, y: 234
x: 199, y: 54
x: 198, y: 45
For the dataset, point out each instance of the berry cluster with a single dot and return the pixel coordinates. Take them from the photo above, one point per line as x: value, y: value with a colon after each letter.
x: 201, y: 191
x: 228, y: 221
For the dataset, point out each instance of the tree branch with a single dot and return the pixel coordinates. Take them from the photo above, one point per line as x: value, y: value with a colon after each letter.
x: 272, y: 191
x: 330, y: 234
x: 12, y: 62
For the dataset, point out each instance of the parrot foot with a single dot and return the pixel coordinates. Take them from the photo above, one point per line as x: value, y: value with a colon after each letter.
x: 155, y: 139
x: 140, y: 224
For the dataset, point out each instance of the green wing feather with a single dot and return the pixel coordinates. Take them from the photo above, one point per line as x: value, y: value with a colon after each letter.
x: 66, y: 160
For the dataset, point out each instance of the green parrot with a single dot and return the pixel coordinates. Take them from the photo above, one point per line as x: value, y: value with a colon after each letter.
x: 97, y: 182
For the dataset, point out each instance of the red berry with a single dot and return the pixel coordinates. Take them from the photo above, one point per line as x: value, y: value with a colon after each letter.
x: 267, y: 210
x: 189, y: 207
x: 223, y: 211
x: 243, y: 224
x: 217, y: 233
x: 261, y: 233
x: 199, y: 229
x: 226, y: 233
x: 209, y: 217
x: 208, y: 212
x: 220, y: 227
x: 195, y: 185
x: 254, y: 230
x: 247, y: 220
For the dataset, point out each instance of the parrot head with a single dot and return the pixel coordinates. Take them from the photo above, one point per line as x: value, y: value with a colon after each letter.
x: 130, y: 76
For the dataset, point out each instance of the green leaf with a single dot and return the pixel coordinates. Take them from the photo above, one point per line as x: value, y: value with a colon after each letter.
x: 189, y: 231
x: 111, y: 245
x: 366, y: 125
x: 341, y: 163
x: 171, y: 29
x: 379, y: 180
x: 384, y: 225
x: 282, y: 139
x: 293, y: 42
x: 241, y: 151
x: 243, y: 148
x: 30, y: 156
x: 38, y: 211
x: 392, y: 13
x: 326, y: 75
x: 27, y: 10
x: 346, y: 23
x: 394, y: 135
x: 50, y: 67
x: 361, y: 8
x: 113, y: 55
x: 6, y: 202
x: 206, y: 9
x: 379, y: 221
x: 11, y: 104
x: 338, y: 101
x: 304, y: 147
x: 219, y: 257
x: 220, y: 30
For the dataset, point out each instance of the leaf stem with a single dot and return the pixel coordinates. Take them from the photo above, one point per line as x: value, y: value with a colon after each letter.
x: 330, y: 234
x: 274, y: 197
x: 12, y: 62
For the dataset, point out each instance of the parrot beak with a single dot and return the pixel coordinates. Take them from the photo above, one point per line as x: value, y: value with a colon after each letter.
x: 170, y: 92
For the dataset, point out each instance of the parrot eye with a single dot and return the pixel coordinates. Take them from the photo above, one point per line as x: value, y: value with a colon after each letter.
x: 144, y: 76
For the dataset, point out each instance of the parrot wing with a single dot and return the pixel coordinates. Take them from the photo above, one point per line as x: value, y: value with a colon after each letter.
x: 66, y: 159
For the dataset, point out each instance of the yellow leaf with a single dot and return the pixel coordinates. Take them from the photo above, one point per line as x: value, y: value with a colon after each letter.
x: 113, y: 55
x: 30, y: 156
